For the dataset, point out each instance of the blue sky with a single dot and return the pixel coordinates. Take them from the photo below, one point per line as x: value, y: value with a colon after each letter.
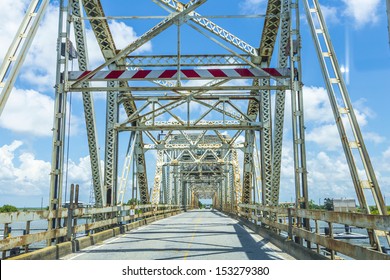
x: 358, y: 30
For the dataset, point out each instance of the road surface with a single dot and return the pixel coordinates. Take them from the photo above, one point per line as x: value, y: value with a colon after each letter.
x: 194, y: 235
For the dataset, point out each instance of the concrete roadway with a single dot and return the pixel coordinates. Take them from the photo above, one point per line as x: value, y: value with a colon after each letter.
x: 193, y: 235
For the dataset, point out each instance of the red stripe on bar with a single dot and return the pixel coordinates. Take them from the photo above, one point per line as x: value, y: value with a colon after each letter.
x: 140, y: 74
x: 217, y: 73
x: 85, y: 73
x: 190, y: 73
x: 167, y: 74
x: 272, y: 72
x: 114, y: 74
x: 244, y: 72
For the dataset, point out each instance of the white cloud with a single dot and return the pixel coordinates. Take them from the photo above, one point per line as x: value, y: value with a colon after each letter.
x: 329, y: 175
x: 386, y: 154
x: 39, y: 68
x: 320, y: 123
x: 123, y: 35
x: 330, y: 14
x: 326, y: 136
x: 253, y: 6
x: 316, y: 105
x: 11, y: 14
x: 374, y: 137
x: 28, y: 111
x: 362, y: 11
x: 23, y: 175
x: 29, y: 177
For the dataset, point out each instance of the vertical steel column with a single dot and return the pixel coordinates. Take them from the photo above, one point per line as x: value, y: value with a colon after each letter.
x: 158, y: 177
x: 57, y: 161
x: 175, y: 184
x: 89, y: 110
x: 265, y: 142
x: 237, y: 180
x: 111, y: 148
x: 280, y: 105
x: 164, y: 179
x: 247, y: 170
x: 184, y: 186
x: 301, y: 189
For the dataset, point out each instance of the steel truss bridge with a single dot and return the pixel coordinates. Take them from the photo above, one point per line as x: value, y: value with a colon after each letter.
x: 192, y: 110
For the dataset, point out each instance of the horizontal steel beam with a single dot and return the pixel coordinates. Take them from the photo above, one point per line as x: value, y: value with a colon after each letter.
x: 242, y: 96
x: 168, y: 147
x: 157, y: 127
x: 177, y: 88
x: 186, y: 60
x: 184, y: 74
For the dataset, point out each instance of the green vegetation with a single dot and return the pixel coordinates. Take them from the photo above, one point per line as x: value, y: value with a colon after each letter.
x: 314, y: 206
x: 133, y: 201
x: 8, y: 208
x: 200, y: 205
x: 328, y: 204
x: 374, y: 210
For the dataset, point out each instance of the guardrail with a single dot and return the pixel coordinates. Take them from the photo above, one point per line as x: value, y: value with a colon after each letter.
x: 290, y: 227
x: 71, y: 228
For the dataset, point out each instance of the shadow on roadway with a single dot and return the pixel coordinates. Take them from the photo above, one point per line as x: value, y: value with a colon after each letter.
x: 190, y: 240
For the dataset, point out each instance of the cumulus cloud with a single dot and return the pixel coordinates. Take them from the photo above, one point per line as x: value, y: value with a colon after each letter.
x: 11, y: 14
x: 362, y: 11
x: 320, y: 124
x: 328, y: 172
x: 330, y: 14
x: 329, y: 175
x: 29, y: 111
x: 24, y: 175
x: 123, y: 35
x: 18, y: 116
x: 21, y: 173
x: 39, y: 68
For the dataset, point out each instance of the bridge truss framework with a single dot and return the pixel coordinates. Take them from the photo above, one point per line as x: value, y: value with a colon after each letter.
x: 195, y: 128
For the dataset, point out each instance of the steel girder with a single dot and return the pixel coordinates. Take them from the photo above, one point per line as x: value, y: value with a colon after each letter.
x: 298, y: 128
x: 157, y: 178
x: 19, y: 47
x: 106, y: 43
x: 111, y: 147
x: 89, y: 111
x: 60, y: 108
x: 211, y: 26
x: 186, y: 60
x: 267, y: 43
x: 279, y: 106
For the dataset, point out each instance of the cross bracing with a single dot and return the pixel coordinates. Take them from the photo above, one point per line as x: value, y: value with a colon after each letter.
x: 206, y: 116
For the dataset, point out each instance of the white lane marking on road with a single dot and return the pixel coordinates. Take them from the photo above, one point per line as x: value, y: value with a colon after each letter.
x: 94, y: 248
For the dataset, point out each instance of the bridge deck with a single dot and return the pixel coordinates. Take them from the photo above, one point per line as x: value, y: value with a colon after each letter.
x: 196, y: 234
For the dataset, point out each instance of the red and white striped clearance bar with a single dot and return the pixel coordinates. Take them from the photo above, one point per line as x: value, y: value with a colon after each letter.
x: 189, y: 74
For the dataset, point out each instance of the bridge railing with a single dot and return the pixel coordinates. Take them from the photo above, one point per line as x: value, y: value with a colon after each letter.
x: 30, y: 227
x: 289, y: 225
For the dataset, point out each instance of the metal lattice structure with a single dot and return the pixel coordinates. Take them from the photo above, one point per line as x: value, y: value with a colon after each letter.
x: 195, y: 129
